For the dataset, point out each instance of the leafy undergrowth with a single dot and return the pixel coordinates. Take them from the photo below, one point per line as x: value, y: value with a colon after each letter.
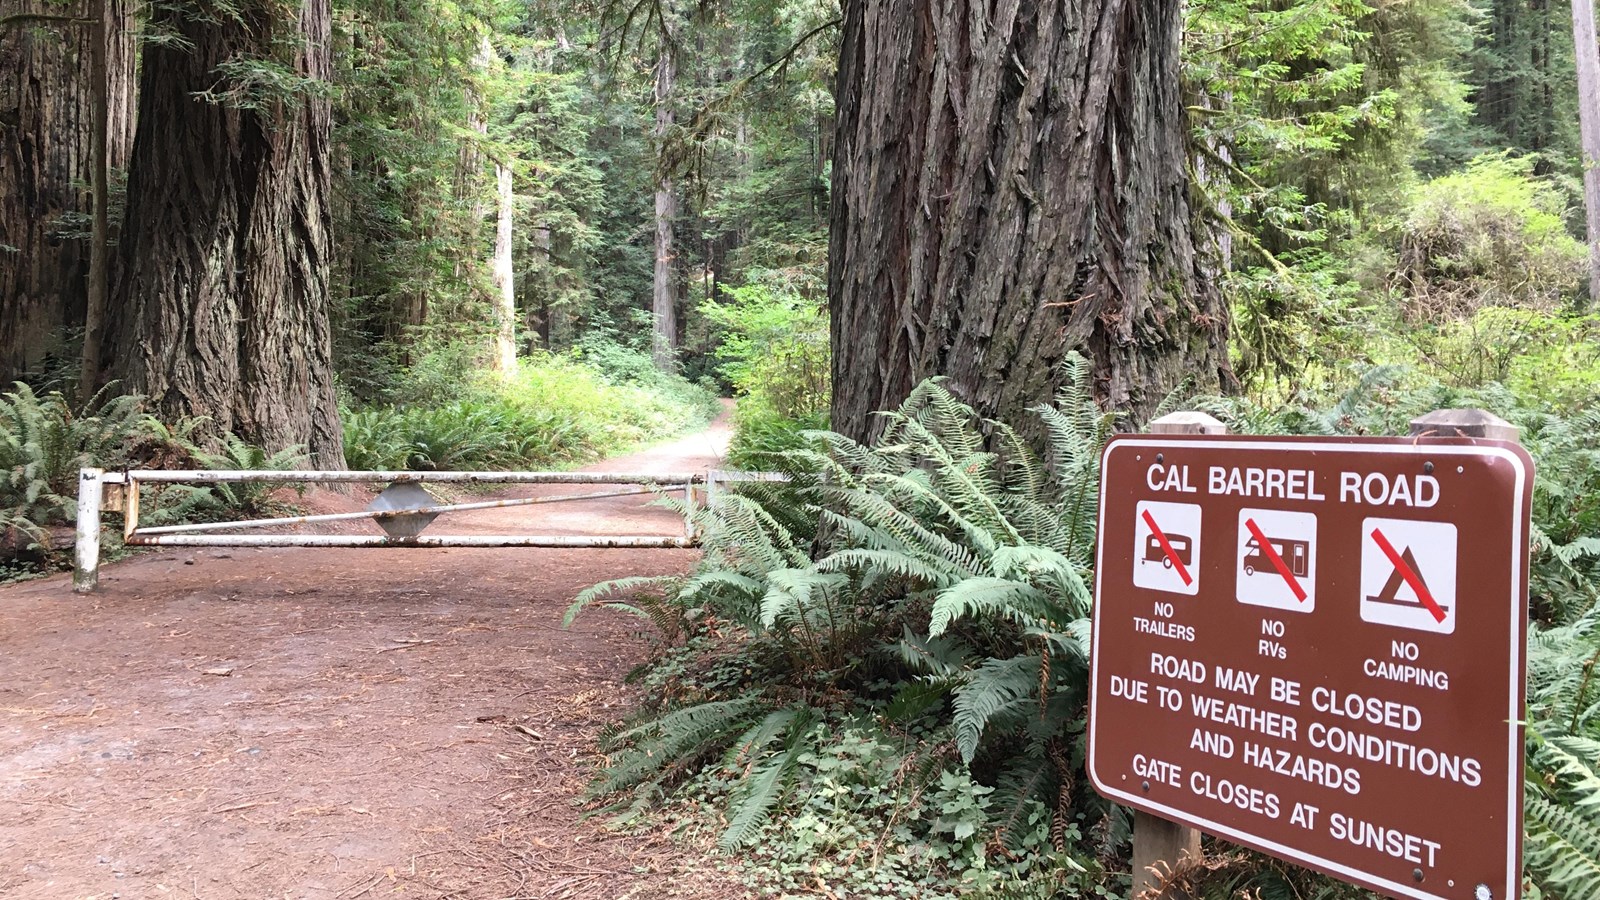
x: 874, y: 684
x: 884, y: 670
x: 557, y: 409
x: 45, y: 440
x: 773, y: 350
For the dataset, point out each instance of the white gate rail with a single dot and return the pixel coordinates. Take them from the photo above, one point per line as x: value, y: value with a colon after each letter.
x: 93, y: 484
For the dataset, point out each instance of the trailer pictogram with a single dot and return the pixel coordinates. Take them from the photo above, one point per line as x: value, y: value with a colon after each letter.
x: 1166, y: 546
x: 1277, y: 559
x: 1408, y: 574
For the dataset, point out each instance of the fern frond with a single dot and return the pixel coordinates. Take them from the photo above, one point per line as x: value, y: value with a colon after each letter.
x: 609, y: 591
x: 891, y: 562
x: 985, y: 596
x: 997, y: 687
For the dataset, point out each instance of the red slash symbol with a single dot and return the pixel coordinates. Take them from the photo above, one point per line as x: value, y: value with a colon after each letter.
x: 1183, y: 571
x: 1411, y: 577
x: 1277, y: 561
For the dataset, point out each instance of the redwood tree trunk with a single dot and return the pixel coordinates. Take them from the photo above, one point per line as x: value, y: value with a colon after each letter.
x: 1010, y: 185
x: 47, y: 125
x: 221, y: 307
x: 663, y: 314
x: 1587, y: 51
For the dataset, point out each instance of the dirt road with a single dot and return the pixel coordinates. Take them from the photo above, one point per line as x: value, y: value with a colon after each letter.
x: 332, y: 724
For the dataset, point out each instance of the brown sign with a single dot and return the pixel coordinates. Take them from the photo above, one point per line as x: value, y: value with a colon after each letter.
x: 1314, y: 647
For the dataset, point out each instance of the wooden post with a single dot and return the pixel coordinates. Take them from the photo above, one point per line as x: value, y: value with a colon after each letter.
x: 1474, y: 423
x: 1159, y: 845
x: 1187, y: 423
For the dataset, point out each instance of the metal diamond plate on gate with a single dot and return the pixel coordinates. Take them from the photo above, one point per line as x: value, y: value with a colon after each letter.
x: 404, y: 496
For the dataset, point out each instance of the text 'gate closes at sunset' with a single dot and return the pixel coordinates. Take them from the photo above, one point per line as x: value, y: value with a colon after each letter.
x: 1313, y: 647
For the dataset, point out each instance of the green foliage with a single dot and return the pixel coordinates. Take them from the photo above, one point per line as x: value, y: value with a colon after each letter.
x: 762, y: 435
x: 1490, y: 235
x: 1524, y: 92
x: 773, y: 349
x: 774, y: 346
x: 924, y: 597
x: 412, y: 245
x: 1308, y: 117
x: 45, y: 440
x: 1562, y: 848
x: 557, y: 409
x: 251, y: 498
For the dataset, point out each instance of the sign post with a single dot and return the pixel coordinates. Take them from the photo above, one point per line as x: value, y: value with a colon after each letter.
x: 1314, y: 647
x: 1159, y: 844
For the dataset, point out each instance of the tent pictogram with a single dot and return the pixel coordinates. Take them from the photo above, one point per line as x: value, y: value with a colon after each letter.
x: 1408, y: 574
x: 1405, y: 572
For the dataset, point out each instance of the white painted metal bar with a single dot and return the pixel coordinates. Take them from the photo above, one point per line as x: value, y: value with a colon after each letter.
x: 443, y: 540
x: 86, y: 561
x: 92, y: 482
x: 731, y: 475
x: 194, y: 527
x: 303, y: 476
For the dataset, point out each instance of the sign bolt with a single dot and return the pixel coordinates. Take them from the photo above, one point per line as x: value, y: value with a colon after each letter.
x: 1145, y: 785
x: 1482, y: 892
x: 1161, y: 457
x: 1416, y: 874
x: 1427, y: 468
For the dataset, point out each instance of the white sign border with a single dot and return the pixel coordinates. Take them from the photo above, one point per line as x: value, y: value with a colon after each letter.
x: 1519, y: 551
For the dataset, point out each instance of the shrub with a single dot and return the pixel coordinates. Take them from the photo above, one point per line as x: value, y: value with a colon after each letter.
x: 774, y: 351
x: 1490, y: 236
x: 927, y: 595
x: 881, y: 676
x: 45, y: 440
x: 557, y: 409
x: 1546, y: 357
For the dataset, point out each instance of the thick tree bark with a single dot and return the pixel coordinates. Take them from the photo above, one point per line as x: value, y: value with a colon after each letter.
x: 48, y: 108
x: 1587, y: 51
x: 94, y: 312
x: 221, y: 306
x: 1010, y: 184
x: 665, y: 333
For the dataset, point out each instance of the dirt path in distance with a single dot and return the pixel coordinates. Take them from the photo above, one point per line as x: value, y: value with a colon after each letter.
x: 334, y: 724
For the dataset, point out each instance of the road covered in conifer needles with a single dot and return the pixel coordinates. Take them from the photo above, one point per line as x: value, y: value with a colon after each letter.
x: 333, y: 724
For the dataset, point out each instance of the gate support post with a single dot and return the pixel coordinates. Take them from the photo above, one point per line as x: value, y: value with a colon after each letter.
x: 86, y: 565
x: 1473, y: 423
x: 1159, y: 845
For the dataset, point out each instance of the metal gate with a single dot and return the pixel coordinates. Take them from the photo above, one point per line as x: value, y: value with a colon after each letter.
x: 403, y: 509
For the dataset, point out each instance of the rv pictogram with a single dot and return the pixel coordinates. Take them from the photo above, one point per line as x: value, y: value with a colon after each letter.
x: 1167, y: 547
x: 1277, y: 559
x: 1408, y: 574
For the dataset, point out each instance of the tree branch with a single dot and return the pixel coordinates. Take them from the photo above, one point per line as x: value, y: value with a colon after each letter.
x: 44, y: 19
